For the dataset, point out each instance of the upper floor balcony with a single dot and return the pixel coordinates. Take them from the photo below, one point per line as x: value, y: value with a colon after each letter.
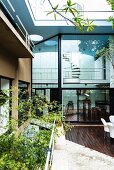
x: 12, y: 38
x: 76, y: 75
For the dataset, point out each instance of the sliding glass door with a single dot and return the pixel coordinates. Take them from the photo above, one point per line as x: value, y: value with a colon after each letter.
x: 86, y: 105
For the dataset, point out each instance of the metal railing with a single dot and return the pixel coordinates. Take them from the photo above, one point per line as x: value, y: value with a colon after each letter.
x: 50, y: 151
x: 45, y: 74
x: 87, y: 74
x: 82, y: 74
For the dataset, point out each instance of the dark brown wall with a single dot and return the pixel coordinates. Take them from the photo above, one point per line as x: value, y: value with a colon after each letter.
x: 24, y: 69
x: 8, y: 64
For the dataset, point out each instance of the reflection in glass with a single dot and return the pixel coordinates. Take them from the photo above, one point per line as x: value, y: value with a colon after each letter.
x: 45, y: 64
x: 80, y: 62
x: 86, y: 105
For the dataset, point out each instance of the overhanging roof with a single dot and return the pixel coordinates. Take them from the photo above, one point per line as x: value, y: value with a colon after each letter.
x: 11, y: 40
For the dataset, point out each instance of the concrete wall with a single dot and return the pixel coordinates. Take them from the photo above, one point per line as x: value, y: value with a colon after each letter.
x: 16, y: 69
x: 24, y: 69
x: 8, y: 64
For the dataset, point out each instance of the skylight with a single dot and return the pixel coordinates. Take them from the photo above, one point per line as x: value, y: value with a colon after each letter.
x: 39, y: 9
x: 35, y: 37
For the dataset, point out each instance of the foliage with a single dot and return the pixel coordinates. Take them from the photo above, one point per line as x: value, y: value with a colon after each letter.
x: 74, y: 16
x: 111, y: 19
x: 111, y: 2
x: 41, y: 143
x: 3, y: 97
x: 32, y: 107
x: 23, y: 152
x: 67, y: 126
x: 51, y: 117
x: 104, y: 52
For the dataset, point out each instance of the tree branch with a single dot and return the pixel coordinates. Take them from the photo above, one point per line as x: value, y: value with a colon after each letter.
x: 66, y: 19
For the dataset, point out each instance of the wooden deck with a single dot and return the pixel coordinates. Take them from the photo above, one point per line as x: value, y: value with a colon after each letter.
x: 91, y: 137
x: 86, y: 117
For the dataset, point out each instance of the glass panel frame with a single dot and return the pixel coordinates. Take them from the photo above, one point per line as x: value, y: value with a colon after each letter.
x: 45, y: 64
x: 80, y: 64
x: 86, y: 105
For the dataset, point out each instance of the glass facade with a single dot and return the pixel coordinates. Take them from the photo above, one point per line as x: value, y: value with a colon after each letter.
x: 80, y: 64
x: 45, y: 64
x: 67, y: 68
x: 86, y: 105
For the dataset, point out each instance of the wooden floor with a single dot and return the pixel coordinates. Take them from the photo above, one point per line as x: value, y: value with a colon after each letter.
x: 91, y: 137
x: 86, y: 117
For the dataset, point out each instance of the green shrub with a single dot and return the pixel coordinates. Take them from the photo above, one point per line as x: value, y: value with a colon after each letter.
x: 24, y: 153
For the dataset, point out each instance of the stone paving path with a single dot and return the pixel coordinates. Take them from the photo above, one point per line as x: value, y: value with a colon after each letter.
x: 72, y: 156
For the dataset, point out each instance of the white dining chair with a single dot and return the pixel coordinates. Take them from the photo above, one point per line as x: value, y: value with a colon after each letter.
x: 106, y: 128
x: 111, y: 118
x: 111, y: 130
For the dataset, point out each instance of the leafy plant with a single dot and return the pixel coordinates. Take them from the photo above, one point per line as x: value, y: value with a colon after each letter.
x: 23, y: 152
x: 3, y: 97
x: 51, y: 117
x: 74, y: 17
x: 111, y: 19
x: 111, y: 2
x: 105, y: 52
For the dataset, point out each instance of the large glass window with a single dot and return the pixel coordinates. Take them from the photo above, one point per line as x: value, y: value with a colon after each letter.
x: 80, y: 64
x: 86, y: 105
x: 84, y: 70
x: 45, y: 64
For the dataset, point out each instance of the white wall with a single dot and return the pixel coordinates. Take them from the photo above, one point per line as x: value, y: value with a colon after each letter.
x: 45, y: 66
x: 107, y: 69
x: 99, y: 68
x: 86, y: 63
x: 99, y: 74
